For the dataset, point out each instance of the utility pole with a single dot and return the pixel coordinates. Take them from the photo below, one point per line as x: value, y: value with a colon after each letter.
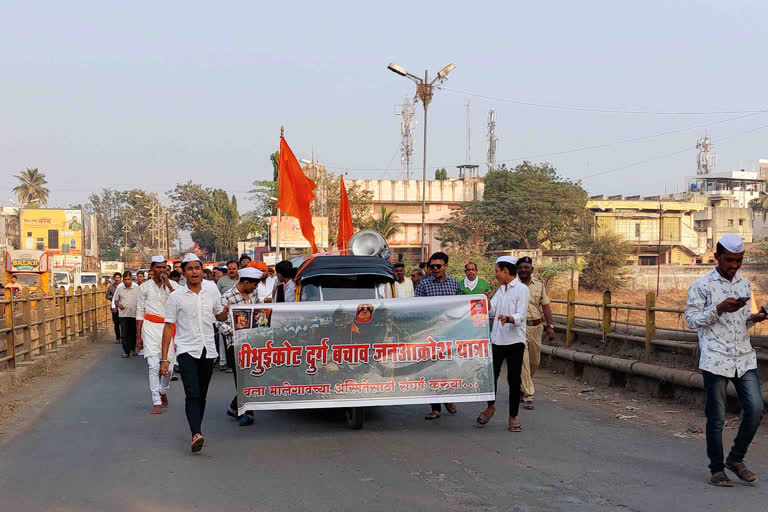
x: 277, y: 210
x: 658, y: 257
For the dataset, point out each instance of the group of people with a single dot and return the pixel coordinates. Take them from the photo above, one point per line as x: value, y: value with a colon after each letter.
x: 521, y: 313
x: 178, y: 320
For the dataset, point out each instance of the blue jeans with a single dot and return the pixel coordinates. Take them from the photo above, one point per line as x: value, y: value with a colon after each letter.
x: 748, y: 390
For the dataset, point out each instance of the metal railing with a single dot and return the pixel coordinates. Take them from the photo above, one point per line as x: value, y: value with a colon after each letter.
x: 33, y: 325
x: 607, y: 324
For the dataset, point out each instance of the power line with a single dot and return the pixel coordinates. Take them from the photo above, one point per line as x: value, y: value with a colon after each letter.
x: 604, y: 110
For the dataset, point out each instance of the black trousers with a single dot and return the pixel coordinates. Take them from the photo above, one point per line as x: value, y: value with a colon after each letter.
x: 196, y: 376
x: 128, y: 333
x: 231, y: 363
x: 513, y: 355
x: 116, y: 323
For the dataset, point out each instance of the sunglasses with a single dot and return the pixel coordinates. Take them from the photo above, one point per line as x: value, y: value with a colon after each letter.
x: 436, y: 266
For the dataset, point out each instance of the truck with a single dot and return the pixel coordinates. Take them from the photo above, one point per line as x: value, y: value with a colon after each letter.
x: 108, y: 268
x: 31, y: 268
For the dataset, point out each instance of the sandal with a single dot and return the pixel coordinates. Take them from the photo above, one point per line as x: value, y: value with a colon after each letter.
x: 741, y: 471
x: 197, y: 443
x: 515, y: 427
x: 483, y: 419
x: 528, y: 404
x: 451, y: 408
x: 720, y: 479
x: 432, y: 416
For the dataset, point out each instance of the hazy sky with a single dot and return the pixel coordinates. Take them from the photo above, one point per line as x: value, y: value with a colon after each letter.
x: 150, y: 94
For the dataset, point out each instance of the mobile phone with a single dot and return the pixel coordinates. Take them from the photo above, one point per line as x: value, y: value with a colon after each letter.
x: 743, y: 299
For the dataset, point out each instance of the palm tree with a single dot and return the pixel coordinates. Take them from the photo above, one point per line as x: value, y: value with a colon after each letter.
x: 385, y: 224
x: 31, y: 190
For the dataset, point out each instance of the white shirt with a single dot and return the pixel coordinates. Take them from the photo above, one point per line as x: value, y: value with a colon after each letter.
x: 264, y: 289
x: 723, y: 339
x: 120, y: 285
x: 290, y: 291
x: 509, y: 300
x: 272, y: 281
x: 404, y: 289
x: 152, y: 298
x: 193, y: 313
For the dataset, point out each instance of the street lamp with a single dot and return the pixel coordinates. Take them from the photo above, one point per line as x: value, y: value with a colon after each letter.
x: 424, y: 93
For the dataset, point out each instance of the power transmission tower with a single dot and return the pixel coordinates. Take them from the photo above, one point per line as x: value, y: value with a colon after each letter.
x: 407, y: 112
x: 492, y: 139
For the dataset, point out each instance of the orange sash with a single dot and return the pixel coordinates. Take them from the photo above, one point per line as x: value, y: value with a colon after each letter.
x: 156, y: 319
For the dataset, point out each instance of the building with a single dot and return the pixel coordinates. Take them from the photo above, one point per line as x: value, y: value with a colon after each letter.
x: 9, y: 227
x: 404, y: 198
x: 638, y: 219
x: 69, y: 235
x: 723, y: 213
x: 740, y: 187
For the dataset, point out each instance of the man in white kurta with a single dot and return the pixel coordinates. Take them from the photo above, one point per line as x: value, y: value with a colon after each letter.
x: 150, y: 312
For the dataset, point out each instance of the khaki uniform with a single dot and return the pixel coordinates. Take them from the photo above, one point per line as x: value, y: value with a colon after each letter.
x: 533, y: 334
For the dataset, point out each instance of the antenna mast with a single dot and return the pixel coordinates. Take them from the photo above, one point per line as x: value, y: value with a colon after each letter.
x: 492, y: 139
x: 469, y: 136
x: 705, y: 159
x: 408, y: 110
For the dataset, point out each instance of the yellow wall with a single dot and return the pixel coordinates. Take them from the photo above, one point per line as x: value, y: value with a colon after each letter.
x: 53, y: 230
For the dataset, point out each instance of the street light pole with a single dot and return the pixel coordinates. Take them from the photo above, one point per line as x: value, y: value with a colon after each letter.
x: 424, y: 93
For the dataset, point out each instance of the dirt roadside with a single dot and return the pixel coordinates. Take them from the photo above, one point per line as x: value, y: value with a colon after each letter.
x: 665, y: 416
x: 20, y: 407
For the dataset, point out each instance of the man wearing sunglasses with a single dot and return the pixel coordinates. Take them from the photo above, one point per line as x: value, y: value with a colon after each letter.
x: 434, y: 285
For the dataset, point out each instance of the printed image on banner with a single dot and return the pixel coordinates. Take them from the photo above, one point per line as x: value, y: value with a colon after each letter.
x: 354, y: 353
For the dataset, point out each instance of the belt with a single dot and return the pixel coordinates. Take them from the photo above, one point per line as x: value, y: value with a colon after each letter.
x: 533, y: 323
x: 154, y: 318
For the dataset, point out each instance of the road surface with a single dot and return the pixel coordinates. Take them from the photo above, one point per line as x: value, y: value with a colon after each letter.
x: 96, y: 448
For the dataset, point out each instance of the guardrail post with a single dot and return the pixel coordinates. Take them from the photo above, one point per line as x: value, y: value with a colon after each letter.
x: 94, y: 314
x: 26, y: 317
x: 69, y: 319
x: 606, y: 315
x: 62, y: 298
x: 80, y: 313
x: 570, y: 314
x: 650, y: 323
x: 10, y: 336
x: 42, y: 338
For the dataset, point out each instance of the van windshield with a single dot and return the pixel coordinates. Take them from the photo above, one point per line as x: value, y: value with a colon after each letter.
x: 89, y: 279
x: 28, y: 280
x: 346, y: 287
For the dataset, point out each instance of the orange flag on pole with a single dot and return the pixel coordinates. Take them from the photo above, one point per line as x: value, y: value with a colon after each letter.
x: 344, y: 231
x: 296, y: 192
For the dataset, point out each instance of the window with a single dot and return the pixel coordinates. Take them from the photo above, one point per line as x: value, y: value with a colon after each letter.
x: 637, y: 230
x: 730, y: 222
x: 741, y: 222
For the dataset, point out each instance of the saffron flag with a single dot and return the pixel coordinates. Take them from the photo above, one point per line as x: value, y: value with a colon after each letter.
x: 344, y: 231
x: 296, y: 192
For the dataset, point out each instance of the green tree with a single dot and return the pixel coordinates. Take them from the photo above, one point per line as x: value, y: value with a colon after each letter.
x: 760, y: 205
x: 606, y: 256
x: 385, y: 224
x: 328, y: 199
x: 188, y: 201
x: 528, y: 207
x: 441, y: 174
x: 31, y: 190
x: 221, y: 226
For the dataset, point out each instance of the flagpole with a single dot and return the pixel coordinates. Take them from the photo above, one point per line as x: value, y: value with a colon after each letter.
x: 277, y: 209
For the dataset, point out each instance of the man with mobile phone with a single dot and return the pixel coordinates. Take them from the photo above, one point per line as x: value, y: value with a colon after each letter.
x: 718, y: 307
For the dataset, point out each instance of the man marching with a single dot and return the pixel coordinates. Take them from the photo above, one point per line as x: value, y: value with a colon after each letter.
x: 191, y: 311
x: 718, y: 306
x: 150, y: 311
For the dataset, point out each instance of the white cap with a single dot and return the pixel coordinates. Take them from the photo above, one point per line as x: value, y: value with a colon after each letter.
x: 158, y: 259
x: 190, y: 257
x: 732, y: 243
x: 250, y: 273
x: 508, y: 259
